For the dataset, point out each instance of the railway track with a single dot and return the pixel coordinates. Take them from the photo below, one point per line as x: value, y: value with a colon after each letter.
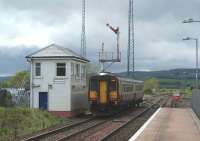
x: 103, y: 132
x: 56, y: 133
x: 95, y: 129
x: 116, y: 134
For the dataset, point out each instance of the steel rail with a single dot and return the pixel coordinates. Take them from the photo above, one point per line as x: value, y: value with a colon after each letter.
x: 81, y: 131
x: 58, y: 130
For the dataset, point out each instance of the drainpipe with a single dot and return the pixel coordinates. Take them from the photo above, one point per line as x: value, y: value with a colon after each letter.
x: 31, y: 83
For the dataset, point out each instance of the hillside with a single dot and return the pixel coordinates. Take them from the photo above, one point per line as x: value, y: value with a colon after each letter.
x: 166, y: 74
x: 175, y: 78
x: 4, y: 78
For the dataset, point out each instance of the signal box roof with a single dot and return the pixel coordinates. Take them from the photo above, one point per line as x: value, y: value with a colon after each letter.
x: 56, y: 51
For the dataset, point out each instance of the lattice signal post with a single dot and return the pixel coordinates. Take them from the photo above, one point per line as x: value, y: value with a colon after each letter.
x: 110, y: 57
x: 131, y: 41
x: 83, y: 36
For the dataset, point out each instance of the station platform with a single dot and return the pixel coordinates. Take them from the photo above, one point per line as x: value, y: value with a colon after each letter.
x: 170, y: 124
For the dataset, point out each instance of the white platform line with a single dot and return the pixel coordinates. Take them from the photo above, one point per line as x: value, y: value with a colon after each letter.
x: 136, y: 135
x: 196, y: 119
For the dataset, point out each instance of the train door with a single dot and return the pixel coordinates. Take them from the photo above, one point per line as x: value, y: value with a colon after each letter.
x: 103, y: 92
x: 113, y: 92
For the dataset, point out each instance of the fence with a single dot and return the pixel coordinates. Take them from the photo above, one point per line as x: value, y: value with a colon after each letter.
x: 196, y: 101
x: 20, y: 97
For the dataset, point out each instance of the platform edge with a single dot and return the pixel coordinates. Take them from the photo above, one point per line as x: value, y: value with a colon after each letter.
x: 196, y: 119
x: 138, y: 133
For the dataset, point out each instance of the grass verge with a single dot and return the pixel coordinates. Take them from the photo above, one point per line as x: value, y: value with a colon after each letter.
x: 15, y: 122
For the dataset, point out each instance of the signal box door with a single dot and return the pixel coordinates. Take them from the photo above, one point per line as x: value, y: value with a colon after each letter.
x: 43, y: 100
x: 103, y: 92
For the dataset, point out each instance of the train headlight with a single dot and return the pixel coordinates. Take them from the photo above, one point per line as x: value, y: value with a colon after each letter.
x: 93, y: 95
x: 113, y: 95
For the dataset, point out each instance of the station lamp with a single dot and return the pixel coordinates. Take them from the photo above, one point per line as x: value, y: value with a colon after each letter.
x: 197, y: 62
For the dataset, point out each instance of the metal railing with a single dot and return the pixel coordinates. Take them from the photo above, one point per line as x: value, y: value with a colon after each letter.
x: 196, y: 101
x: 109, y: 57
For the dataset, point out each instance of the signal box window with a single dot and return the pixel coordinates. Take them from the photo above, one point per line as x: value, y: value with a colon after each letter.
x: 83, y: 71
x: 72, y: 69
x: 78, y: 70
x: 37, y: 69
x: 61, y: 69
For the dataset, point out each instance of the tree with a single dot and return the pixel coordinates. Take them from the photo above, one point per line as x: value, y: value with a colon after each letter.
x: 150, y: 85
x: 4, y: 84
x: 20, y: 80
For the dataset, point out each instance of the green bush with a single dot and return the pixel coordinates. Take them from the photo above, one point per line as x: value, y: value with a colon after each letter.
x: 148, y: 91
x: 150, y: 85
x: 15, y: 122
x: 5, y: 98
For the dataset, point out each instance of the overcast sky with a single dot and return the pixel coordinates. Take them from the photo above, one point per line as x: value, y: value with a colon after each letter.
x: 26, y: 25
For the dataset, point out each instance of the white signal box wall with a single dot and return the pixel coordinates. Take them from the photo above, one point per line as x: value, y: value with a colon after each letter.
x: 58, y: 80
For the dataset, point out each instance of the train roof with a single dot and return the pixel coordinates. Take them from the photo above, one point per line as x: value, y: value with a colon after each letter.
x: 118, y: 77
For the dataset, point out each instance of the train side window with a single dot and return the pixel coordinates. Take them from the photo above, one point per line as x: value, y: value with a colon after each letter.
x: 93, y: 85
x: 128, y: 88
x: 138, y: 87
x: 113, y: 85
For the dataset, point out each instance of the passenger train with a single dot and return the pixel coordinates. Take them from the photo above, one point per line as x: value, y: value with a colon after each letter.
x: 109, y: 93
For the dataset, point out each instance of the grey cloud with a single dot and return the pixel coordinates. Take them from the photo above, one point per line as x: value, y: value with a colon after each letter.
x: 158, y: 28
x: 149, y: 10
x: 12, y: 59
x: 146, y: 10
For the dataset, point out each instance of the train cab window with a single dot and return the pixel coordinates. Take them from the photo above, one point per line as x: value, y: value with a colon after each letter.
x: 93, y: 85
x: 113, y: 85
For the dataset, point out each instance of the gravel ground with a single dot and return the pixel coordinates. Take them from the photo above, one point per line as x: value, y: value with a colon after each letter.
x: 126, y: 132
x: 95, y: 134
x: 184, y: 103
x: 68, y: 122
x: 72, y: 130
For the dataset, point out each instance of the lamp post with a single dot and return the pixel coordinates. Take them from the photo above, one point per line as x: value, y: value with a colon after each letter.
x: 197, y: 62
x: 191, y: 21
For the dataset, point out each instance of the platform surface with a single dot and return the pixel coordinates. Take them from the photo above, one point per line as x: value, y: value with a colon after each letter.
x: 170, y: 124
